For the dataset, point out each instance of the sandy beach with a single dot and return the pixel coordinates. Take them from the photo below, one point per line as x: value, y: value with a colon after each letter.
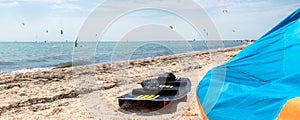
x: 89, y: 92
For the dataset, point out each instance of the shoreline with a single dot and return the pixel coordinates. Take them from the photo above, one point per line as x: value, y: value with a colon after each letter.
x: 79, y: 92
x: 191, y: 40
x: 70, y: 64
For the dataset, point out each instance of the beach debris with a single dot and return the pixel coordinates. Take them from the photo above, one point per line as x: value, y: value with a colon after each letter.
x: 23, y: 23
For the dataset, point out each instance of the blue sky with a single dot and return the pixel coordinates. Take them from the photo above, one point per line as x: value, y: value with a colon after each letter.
x: 248, y: 18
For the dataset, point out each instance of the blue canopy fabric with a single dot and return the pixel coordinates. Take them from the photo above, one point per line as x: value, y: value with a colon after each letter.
x: 257, y: 82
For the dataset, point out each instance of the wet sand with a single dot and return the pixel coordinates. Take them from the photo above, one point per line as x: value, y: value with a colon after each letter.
x: 89, y: 92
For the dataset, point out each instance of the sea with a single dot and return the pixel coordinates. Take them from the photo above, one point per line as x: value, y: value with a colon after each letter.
x: 34, y: 56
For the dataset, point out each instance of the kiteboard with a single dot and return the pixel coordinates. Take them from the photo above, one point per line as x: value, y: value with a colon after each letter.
x: 165, y: 89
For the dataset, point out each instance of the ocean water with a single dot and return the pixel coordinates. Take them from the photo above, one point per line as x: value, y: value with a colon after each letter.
x: 28, y: 55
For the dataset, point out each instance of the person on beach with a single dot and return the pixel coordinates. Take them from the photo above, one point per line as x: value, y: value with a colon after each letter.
x: 76, y: 42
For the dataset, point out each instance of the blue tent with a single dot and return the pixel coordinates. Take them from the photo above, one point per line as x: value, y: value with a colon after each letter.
x: 259, y: 81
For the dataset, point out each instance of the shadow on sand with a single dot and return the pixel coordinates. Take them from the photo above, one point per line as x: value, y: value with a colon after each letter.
x: 150, y: 108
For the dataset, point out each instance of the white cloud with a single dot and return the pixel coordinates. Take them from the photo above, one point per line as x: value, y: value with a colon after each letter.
x: 57, y: 4
x: 250, y: 19
x: 9, y: 4
x: 65, y: 6
x: 49, y: 1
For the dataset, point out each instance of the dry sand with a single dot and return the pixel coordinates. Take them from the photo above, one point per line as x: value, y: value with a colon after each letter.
x: 89, y: 92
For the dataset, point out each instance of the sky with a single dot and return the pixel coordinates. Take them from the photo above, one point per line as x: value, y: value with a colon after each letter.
x: 42, y: 20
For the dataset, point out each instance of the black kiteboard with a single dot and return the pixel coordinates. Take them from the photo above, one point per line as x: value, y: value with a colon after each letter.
x: 165, y: 89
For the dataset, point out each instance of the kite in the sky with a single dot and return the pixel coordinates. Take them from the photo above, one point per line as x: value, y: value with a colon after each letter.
x: 61, y: 32
x: 224, y: 11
